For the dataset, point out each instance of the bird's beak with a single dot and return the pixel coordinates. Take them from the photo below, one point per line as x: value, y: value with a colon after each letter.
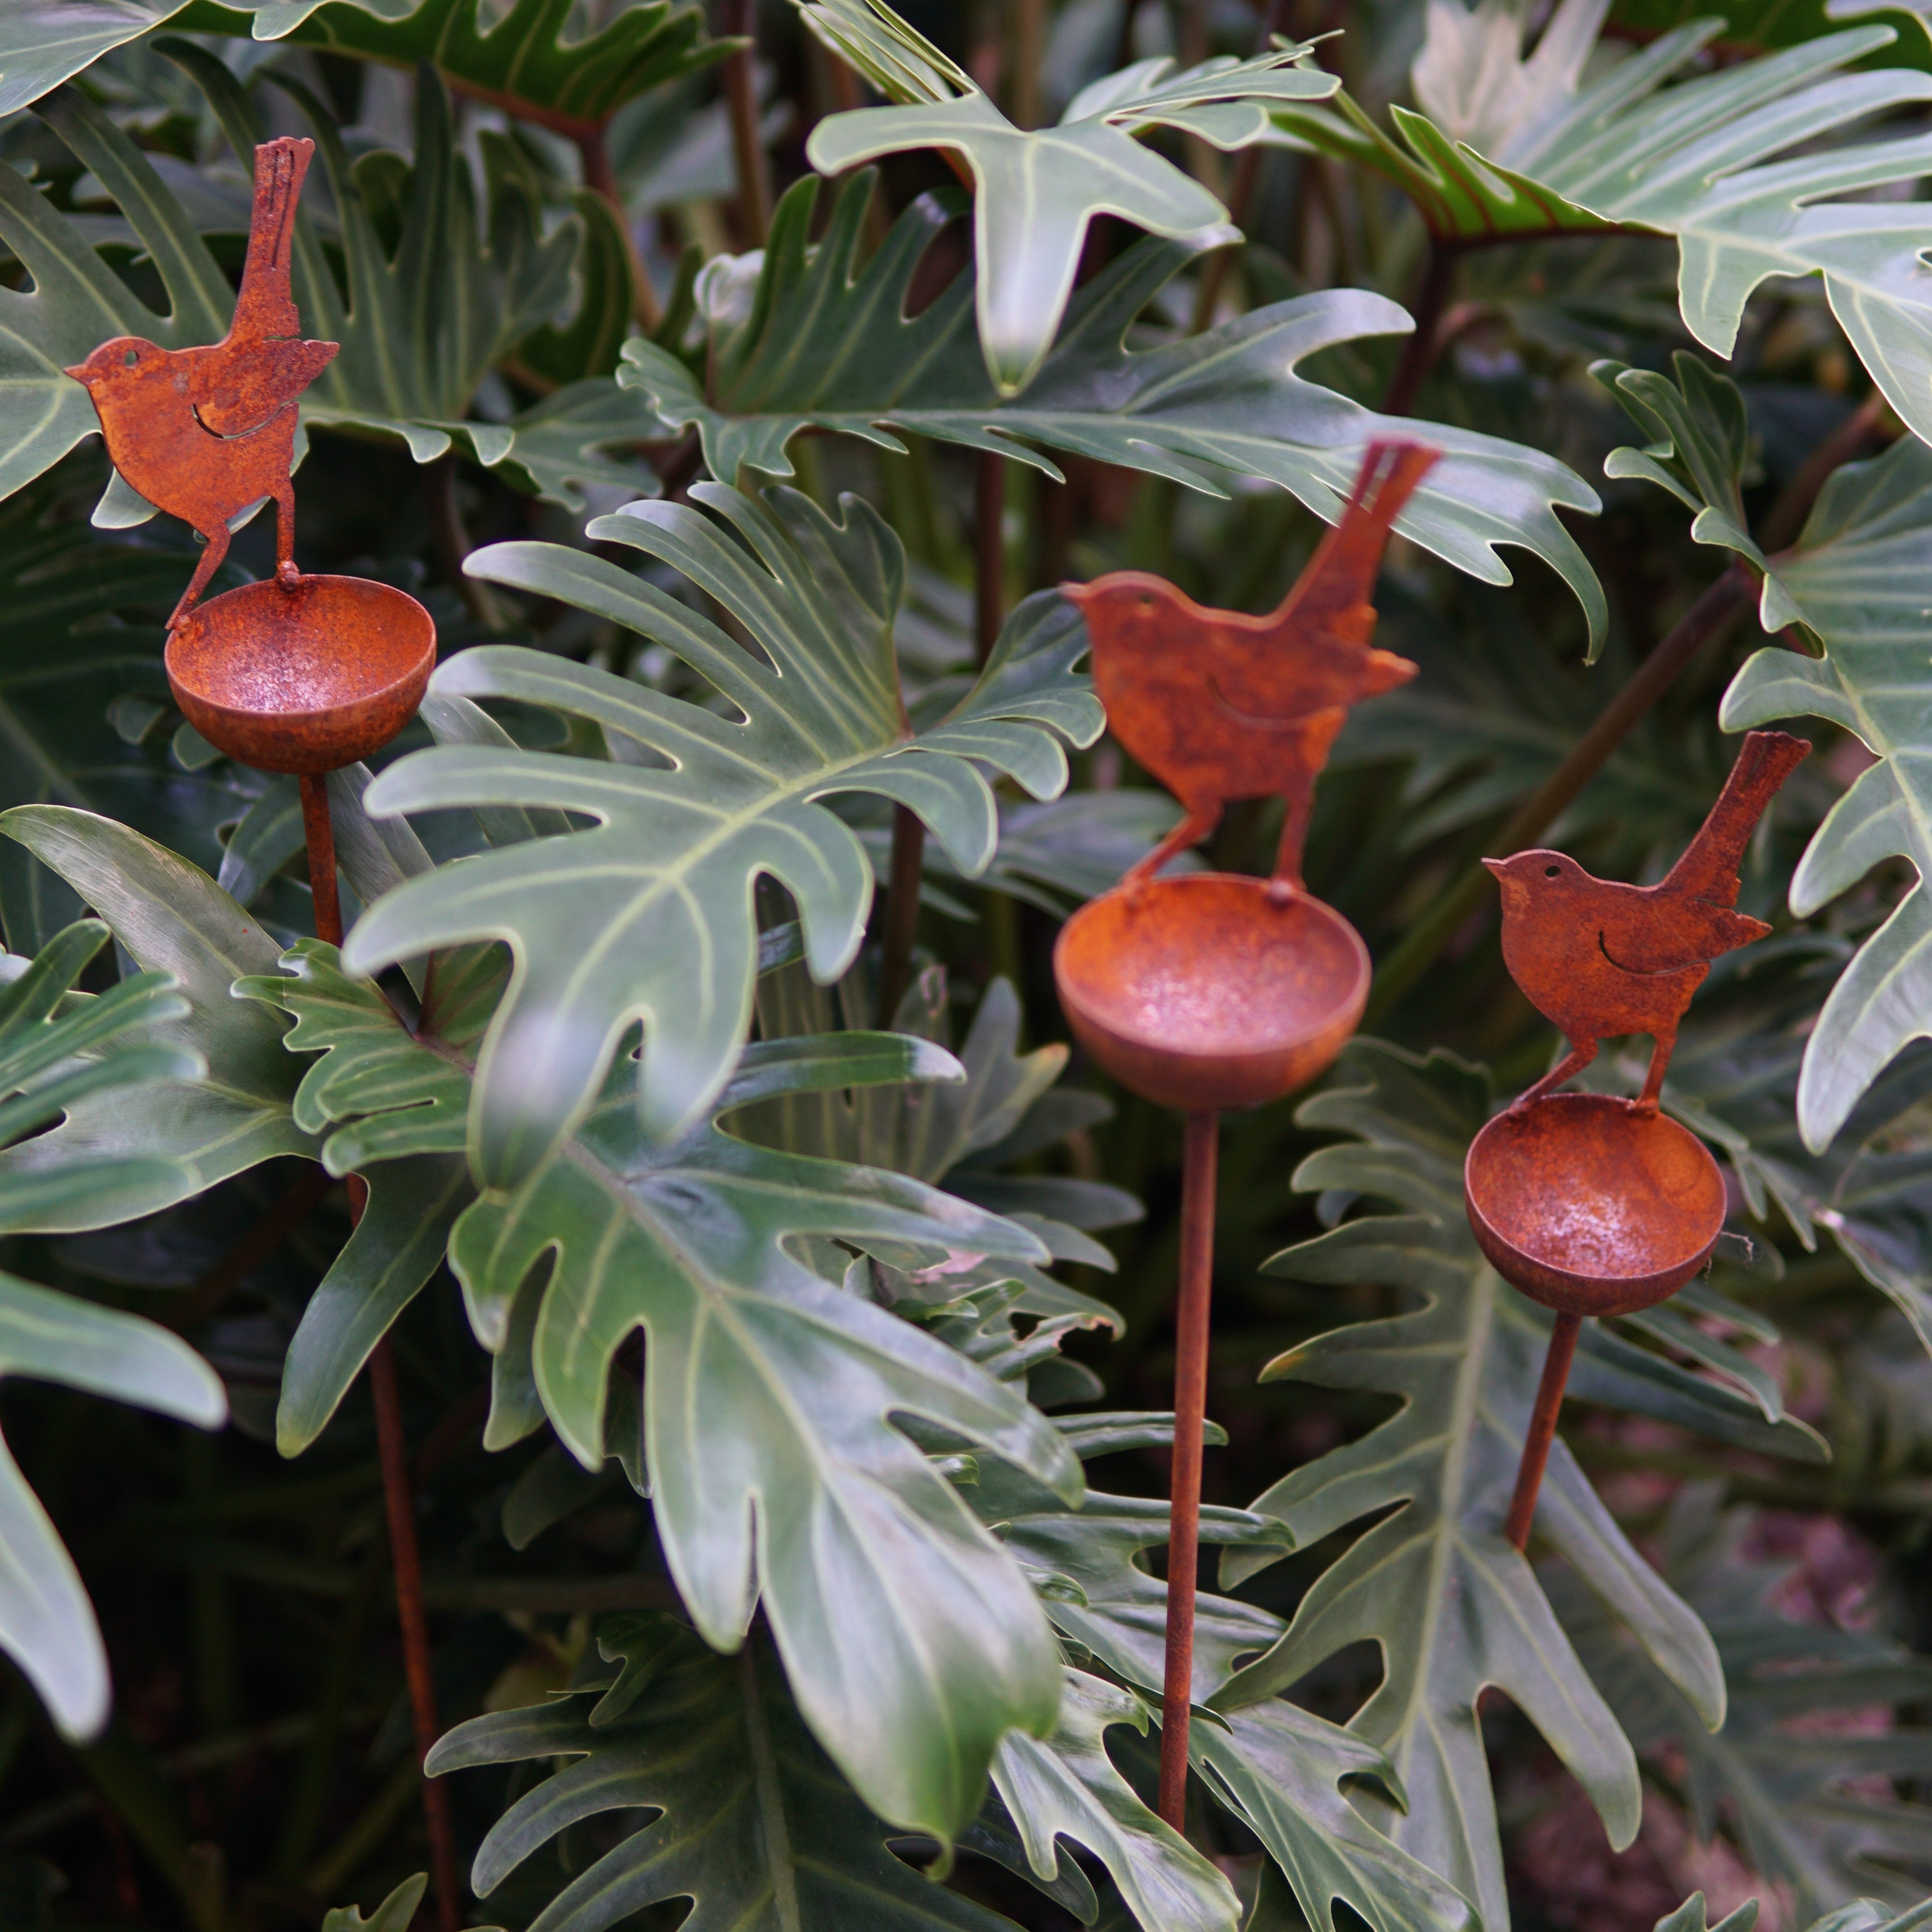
x: 1076, y: 594
x: 1495, y: 865
x: 78, y: 372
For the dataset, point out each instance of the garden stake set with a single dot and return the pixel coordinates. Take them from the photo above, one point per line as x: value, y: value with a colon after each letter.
x: 299, y: 675
x: 1208, y: 991
x: 1590, y: 1204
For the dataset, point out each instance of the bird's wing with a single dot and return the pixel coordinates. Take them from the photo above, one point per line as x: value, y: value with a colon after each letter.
x: 238, y: 386
x: 1261, y: 675
x: 1663, y: 932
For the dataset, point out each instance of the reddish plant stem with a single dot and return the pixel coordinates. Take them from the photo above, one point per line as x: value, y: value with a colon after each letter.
x: 989, y: 551
x: 1419, y: 352
x: 1190, y: 1413
x: 741, y: 95
x: 1542, y: 1428
x: 600, y: 178
x: 1788, y: 515
x: 398, y: 1493
x: 901, y: 920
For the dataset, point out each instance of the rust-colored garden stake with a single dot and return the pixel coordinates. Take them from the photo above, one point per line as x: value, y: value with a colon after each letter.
x: 297, y: 675
x: 1589, y: 1204
x: 1209, y: 990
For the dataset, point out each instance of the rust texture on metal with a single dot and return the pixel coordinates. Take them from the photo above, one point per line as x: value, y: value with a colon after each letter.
x: 203, y: 433
x: 298, y: 674
x: 1601, y: 960
x: 1219, y: 705
x: 1190, y: 1414
x: 1205, y: 990
x: 302, y: 677
x: 1591, y: 1205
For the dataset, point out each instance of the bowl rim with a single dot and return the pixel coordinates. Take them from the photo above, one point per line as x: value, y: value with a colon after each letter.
x: 1575, y: 1104
x: 1249, y: 882
x: 178, y: 675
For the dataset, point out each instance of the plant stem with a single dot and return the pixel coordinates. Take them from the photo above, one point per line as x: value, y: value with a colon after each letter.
x: 1240, y: 191
x: 1713, y: 613
x: 1419, y: 352
x: 451, y: 541
x: 902, y: 920
x: 989, y: 552
x: 1788, y: 515
x: 1190, y: 1412
x: 747, y: 146
x: 1542, y: 1428
x: 1028, y: 45
x: 600, y: 178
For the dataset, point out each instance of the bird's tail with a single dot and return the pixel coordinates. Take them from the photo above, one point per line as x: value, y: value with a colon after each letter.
x: 1708, y: 869
x: 266, y: 306
x: 1336, y: 591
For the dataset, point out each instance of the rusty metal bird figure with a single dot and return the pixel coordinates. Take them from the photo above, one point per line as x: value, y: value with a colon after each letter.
x: 1601, y: 960
x: 204, y: 432
x: 1218, y: 705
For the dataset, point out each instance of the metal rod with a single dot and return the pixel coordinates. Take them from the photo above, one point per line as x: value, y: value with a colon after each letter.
x: 1190, y: 1412
x: 1542, y: 1428
x: 398, y: 1500
x: 320, y: 837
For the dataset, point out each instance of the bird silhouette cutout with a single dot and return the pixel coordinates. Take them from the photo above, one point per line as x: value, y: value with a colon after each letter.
x: 1601, y: 959
x: 1219, y: 705
x: 203, y: 433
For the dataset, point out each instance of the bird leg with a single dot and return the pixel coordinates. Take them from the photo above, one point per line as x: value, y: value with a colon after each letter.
x: 1662, y: 1046
x: 1581, y: 1052
x: 1203, y: 815
x: 286, y: 574
x: 1298, y: 795
x: 215, y: 549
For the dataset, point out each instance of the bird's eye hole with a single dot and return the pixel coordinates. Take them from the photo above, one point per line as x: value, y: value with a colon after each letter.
x: 1552, y: 872
x: 1146, y: 601
x: 133, y: 356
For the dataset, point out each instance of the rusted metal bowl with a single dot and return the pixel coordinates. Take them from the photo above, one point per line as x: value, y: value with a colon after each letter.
x: 304, y: 679
x: 1590, y: 1208
x: 1202, y: 991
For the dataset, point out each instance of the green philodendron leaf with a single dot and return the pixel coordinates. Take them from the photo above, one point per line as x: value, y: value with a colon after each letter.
x: 72, y: 644
x: 777, y: 1476
x: 61, y: 1053
x: 528, y: 57
x: 648, y: 915
x: 45, y: 42
x: 1733, y: 1080
x: 1701, y: 446
x: 1709, y: 160
x: 1279, y: 1770
x: 827, y: 344
x: 751, y: 1824
x: 1038, y: 191
x: 393, y: 1915
x: 1065, y: 1786
x: 1859, y: 578
x: 1787, y: 1775
x: 178, y: 1137
x: 1453, y: 1607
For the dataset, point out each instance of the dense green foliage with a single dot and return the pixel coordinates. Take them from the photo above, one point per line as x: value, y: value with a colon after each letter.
x: 780, y: 1310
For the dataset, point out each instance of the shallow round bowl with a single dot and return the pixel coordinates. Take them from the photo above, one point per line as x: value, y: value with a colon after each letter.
x: 1590, y: 1208
x: 1202, y: 991
x: 303, y: 679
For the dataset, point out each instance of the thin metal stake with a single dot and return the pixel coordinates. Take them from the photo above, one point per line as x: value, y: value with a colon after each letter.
x: 392, y: 1446
x: 1190, y: 1412
x: 1542, y: 1428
